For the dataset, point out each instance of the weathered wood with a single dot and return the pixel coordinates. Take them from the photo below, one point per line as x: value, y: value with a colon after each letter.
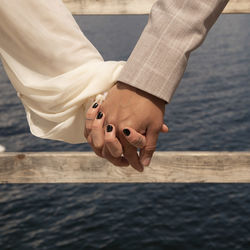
x: 119, y: 7
x: 237, y: 6
x: 68, y: 167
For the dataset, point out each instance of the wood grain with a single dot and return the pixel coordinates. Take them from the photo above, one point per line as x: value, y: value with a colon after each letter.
x: 237, y: 6
x: 120, y: 7
x: 74, y: 167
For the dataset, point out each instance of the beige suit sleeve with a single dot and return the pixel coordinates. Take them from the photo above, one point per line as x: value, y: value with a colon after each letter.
x: 54, y: 68
x: 175, y: 28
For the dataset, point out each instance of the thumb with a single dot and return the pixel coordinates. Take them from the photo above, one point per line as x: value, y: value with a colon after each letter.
x: 134, y: 138
x: 164, y: 128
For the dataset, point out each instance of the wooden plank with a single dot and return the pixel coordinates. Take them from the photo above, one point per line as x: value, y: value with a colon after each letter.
x: 120, y: 7
x: 74, y: 167
x: 237, y: 7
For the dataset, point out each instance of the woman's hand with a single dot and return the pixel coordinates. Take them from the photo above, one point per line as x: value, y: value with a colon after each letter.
x: 102, y: 139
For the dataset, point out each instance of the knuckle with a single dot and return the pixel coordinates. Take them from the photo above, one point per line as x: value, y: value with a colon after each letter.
x: 95, y: 126
x: 88, y: 126
x: 116, y: 153
x: 157, y: 127
x: 137, y: 142
x: 110, y: 141
x: 134, y: 141
x: 110, y: 118
x: 105, y: 154
x: 150, y: 149
x: 89, y: 114
x: 98, y: 146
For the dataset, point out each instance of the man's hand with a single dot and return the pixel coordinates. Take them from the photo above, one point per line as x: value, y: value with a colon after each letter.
x: 131, y: 110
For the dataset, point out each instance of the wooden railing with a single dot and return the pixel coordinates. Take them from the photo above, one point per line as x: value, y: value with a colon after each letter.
x: 121, y: 7
x: 69, y: 167
x: 76, y: 167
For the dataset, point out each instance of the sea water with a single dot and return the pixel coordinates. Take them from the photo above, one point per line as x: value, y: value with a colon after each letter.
x: 210, y: 111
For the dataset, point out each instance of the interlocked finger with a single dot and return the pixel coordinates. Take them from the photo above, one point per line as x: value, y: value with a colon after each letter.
x: 130, y: 153
x: 112, y: 144
x: 117, y: 161
x: 134, y: 138
x: 90, y: 117
x: 97, y: 133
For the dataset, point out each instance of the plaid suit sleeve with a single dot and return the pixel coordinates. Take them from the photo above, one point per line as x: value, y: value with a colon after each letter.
x: 175, y: 28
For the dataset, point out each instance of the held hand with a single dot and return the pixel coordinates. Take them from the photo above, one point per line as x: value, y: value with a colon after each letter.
x: 96, y: 136
x: 131, y: 110
x: 104, y: 141
x: 127, y: 107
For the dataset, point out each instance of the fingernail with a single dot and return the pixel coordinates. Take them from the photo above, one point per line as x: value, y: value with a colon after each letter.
x: 99, y: 116
x: 109, y: 128
x: 95, y: 105
x: 126, y: 132
x: 146, y: 161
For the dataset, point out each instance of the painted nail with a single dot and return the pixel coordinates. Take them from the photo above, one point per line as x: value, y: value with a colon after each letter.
x: 95, y: 105
x: 126, y: 132
x: 100, y: 115
x: 109, y: 128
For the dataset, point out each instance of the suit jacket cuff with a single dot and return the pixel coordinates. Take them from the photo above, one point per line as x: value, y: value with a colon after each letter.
x: 175, y: 28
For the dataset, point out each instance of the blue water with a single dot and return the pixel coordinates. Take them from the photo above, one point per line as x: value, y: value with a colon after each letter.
x: 210, y: 111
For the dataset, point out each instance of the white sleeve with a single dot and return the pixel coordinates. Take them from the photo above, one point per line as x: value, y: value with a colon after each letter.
x: 55, y: 70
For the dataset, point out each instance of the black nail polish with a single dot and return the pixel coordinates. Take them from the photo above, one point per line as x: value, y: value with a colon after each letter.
x: 126, y: 132
x: 100, y: 115
x: 95, y: 105
x: 109, y: 128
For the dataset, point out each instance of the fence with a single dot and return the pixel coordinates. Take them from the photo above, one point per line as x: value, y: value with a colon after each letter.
x: 75, y: 167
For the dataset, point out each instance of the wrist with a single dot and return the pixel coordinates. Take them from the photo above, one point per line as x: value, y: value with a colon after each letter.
x: 132, y: 89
